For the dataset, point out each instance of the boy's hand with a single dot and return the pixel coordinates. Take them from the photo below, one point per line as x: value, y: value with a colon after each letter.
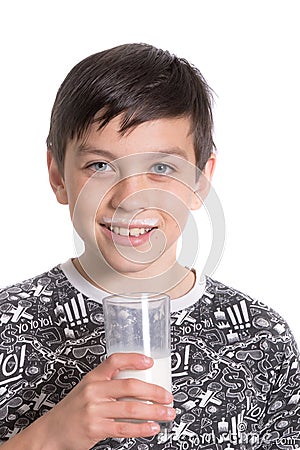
x: 87, y: 414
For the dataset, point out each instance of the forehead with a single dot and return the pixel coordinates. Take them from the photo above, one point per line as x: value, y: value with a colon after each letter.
x: 167, y: 135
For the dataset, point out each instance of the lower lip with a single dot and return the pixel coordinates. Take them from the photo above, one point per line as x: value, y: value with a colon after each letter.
x: 128, y: 241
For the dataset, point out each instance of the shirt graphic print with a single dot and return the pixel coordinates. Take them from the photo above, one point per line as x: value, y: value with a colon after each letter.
x: 235, y: 365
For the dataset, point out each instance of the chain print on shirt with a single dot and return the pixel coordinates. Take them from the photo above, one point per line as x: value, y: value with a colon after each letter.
x: 235, y: 366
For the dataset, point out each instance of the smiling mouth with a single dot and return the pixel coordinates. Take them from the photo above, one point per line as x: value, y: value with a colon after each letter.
x: 132, y: 232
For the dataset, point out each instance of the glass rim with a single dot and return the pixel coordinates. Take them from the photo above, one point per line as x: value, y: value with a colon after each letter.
x: 136, y: 297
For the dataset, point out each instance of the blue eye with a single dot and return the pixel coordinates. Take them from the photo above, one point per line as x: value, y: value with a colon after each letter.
x: 101, y: 166
x: 162, y: 169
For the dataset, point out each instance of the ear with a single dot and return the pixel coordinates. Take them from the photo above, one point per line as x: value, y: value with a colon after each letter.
x: 203, y: 184
x: 56, y: 179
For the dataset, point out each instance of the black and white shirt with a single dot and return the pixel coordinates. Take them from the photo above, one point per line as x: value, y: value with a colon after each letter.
x: 235, y: 364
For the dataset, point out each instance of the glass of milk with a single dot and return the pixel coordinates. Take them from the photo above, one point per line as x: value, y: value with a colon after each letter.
x: 140, y: 323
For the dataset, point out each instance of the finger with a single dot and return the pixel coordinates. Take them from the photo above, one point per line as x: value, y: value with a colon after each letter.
x: 135, y: 410
x: 121, y: 361
x: 131, y: 430
x: 131, y: 387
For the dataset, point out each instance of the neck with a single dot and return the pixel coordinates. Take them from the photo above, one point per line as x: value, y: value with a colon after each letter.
x: 175, y: 281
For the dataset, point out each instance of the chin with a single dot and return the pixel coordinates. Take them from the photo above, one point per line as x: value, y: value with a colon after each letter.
x: 124, y: 267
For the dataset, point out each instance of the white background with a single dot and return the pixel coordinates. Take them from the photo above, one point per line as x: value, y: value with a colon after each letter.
x: 249, y: 53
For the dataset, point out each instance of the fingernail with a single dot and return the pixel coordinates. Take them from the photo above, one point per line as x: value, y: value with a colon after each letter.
x: 169, y: 398
x: 155, y: 427
x: 171, y: 412
x: 147, y: 360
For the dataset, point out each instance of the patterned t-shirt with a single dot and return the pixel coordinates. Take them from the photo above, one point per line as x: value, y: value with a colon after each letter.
x: 235, y: 364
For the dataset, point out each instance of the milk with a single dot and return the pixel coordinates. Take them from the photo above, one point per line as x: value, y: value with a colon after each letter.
x: 159, y: 373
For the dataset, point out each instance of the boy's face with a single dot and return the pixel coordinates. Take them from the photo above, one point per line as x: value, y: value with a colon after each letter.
x: 130, y: 195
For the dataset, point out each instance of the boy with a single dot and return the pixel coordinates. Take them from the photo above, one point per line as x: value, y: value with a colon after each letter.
x: 130, y: 150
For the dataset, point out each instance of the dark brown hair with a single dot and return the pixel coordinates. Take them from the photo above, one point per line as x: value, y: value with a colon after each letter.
x: 141, y: 82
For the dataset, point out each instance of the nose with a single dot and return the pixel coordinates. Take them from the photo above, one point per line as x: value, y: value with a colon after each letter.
x: 131, y: 194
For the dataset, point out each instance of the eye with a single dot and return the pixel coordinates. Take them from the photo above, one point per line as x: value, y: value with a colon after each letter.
x: 161, y: 169
x: 101, y: 166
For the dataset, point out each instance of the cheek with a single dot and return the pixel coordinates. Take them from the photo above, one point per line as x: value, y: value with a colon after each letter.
x: 176, y: 212
x: 83, y: 206
x: 174, y: 226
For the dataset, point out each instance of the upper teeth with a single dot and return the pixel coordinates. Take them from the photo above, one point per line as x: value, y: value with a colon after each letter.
x: 128, y: 231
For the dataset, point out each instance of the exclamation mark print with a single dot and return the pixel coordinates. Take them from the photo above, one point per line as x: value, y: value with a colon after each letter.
x: 83, y: 308
x: 233, y: 426
x: 245, y: 313
x: 69, y: 314
x: 248, y: 395
x: 22, y: 358
x: 76, y: 311
x: 240, y: 423
x: 186, y: 357
x: 238, y: 315
x: 232, y: 317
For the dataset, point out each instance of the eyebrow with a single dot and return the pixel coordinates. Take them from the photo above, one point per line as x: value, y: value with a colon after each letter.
x: 83, y: 149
